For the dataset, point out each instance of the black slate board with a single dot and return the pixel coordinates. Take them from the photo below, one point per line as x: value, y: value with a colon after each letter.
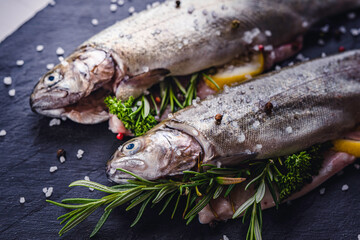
x: 29, y: 148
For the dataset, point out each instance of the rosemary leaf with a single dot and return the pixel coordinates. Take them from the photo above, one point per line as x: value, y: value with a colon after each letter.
x: 141, y: 211
x: 78, y: 200
x: 243, y: 207
x: 94, y: 185
x: 260, y: 192
x: 101, y: 222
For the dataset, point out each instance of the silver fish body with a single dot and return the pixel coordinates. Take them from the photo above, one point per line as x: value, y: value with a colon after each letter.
x: 141, y: 50
x: 274, y: 115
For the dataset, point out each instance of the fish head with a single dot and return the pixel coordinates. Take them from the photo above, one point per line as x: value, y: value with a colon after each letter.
x: 72, y: 80
x: 159, y: 153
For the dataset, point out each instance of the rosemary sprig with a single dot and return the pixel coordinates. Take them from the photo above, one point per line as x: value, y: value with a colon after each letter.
x: 252, y: 207
x: 197, y: 187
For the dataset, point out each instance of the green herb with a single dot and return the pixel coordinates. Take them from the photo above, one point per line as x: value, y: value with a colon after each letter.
x: 136, y: 115
x: 171, y: 88
x: 202, y: 186
x: 282, y: 178
x: 211, y: 80
x: 297, y: 170
x: 252, y: 207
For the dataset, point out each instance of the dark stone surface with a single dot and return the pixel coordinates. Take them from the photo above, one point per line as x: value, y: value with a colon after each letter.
x: 29, y: 148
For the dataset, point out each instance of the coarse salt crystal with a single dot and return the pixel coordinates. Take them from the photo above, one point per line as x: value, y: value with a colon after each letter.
x: 354, y: 32
x: 268, y: 33
x: 268, y: 48
x: 44, y: 189
x: 80, y: 153
x: 2, y: 133
x: 94, y: 22
x: 20, y: 63
x: 345, y: 187
x: 325, y: 28
x: 323, y: 55
x: 22, y: 200
x: 61, y: 59
x: 113, y: 1
x: 258, y: 146
x: 86, y: 178
x: 351, y: 15
x: 256, y: 124
x: 49, y: 66
x: 7, y: 80
x: 277, y: 67
x: 305, y: 24
x: 241, y: 138
x: 225, y: 237
x: 247, y: 151
x: 49, y: 192
x: 290, y: 64
x: 358, y: 236
x: 54, y: 122
x: 357, y: 166
x: 113, y: 7
x: 39, y: 48
x: 342, y: 29
x: 12, y: 92
x: 52, y: 3
x: 321, y: 42
x: 53, y: 169
x: 289, y: 130
x: 120, y: 2
x: 131, y: 10
x: 60, y: 51
x: 62, y: 159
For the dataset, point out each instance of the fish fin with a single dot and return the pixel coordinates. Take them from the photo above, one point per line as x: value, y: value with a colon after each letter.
x: 136, y: 85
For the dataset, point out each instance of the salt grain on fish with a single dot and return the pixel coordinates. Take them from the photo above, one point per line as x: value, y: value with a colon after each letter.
x: 53, y: 169
x: 113, y: 7
x: 322, y: 191
x: 22, y: 200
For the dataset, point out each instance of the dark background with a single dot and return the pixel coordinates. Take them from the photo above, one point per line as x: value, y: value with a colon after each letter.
x: 29, y: 148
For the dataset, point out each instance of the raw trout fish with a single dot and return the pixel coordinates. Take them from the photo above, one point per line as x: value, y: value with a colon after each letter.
x: 277, y: 114
x: 132, y: 55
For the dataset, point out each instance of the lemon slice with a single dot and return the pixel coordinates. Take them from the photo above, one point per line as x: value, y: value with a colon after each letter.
x: 349, y: 146
x: 237, y: 71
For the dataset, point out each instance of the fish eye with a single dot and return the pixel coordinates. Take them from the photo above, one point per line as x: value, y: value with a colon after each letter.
x: 52, y: 79
x: 131, y: 147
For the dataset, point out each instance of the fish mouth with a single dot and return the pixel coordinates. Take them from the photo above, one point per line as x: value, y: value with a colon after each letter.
x: 127, y: 163
x: 85, y: 110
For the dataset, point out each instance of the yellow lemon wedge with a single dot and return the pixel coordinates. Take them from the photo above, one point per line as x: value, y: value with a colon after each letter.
x: 349, y: 146
x: 237, y: 71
